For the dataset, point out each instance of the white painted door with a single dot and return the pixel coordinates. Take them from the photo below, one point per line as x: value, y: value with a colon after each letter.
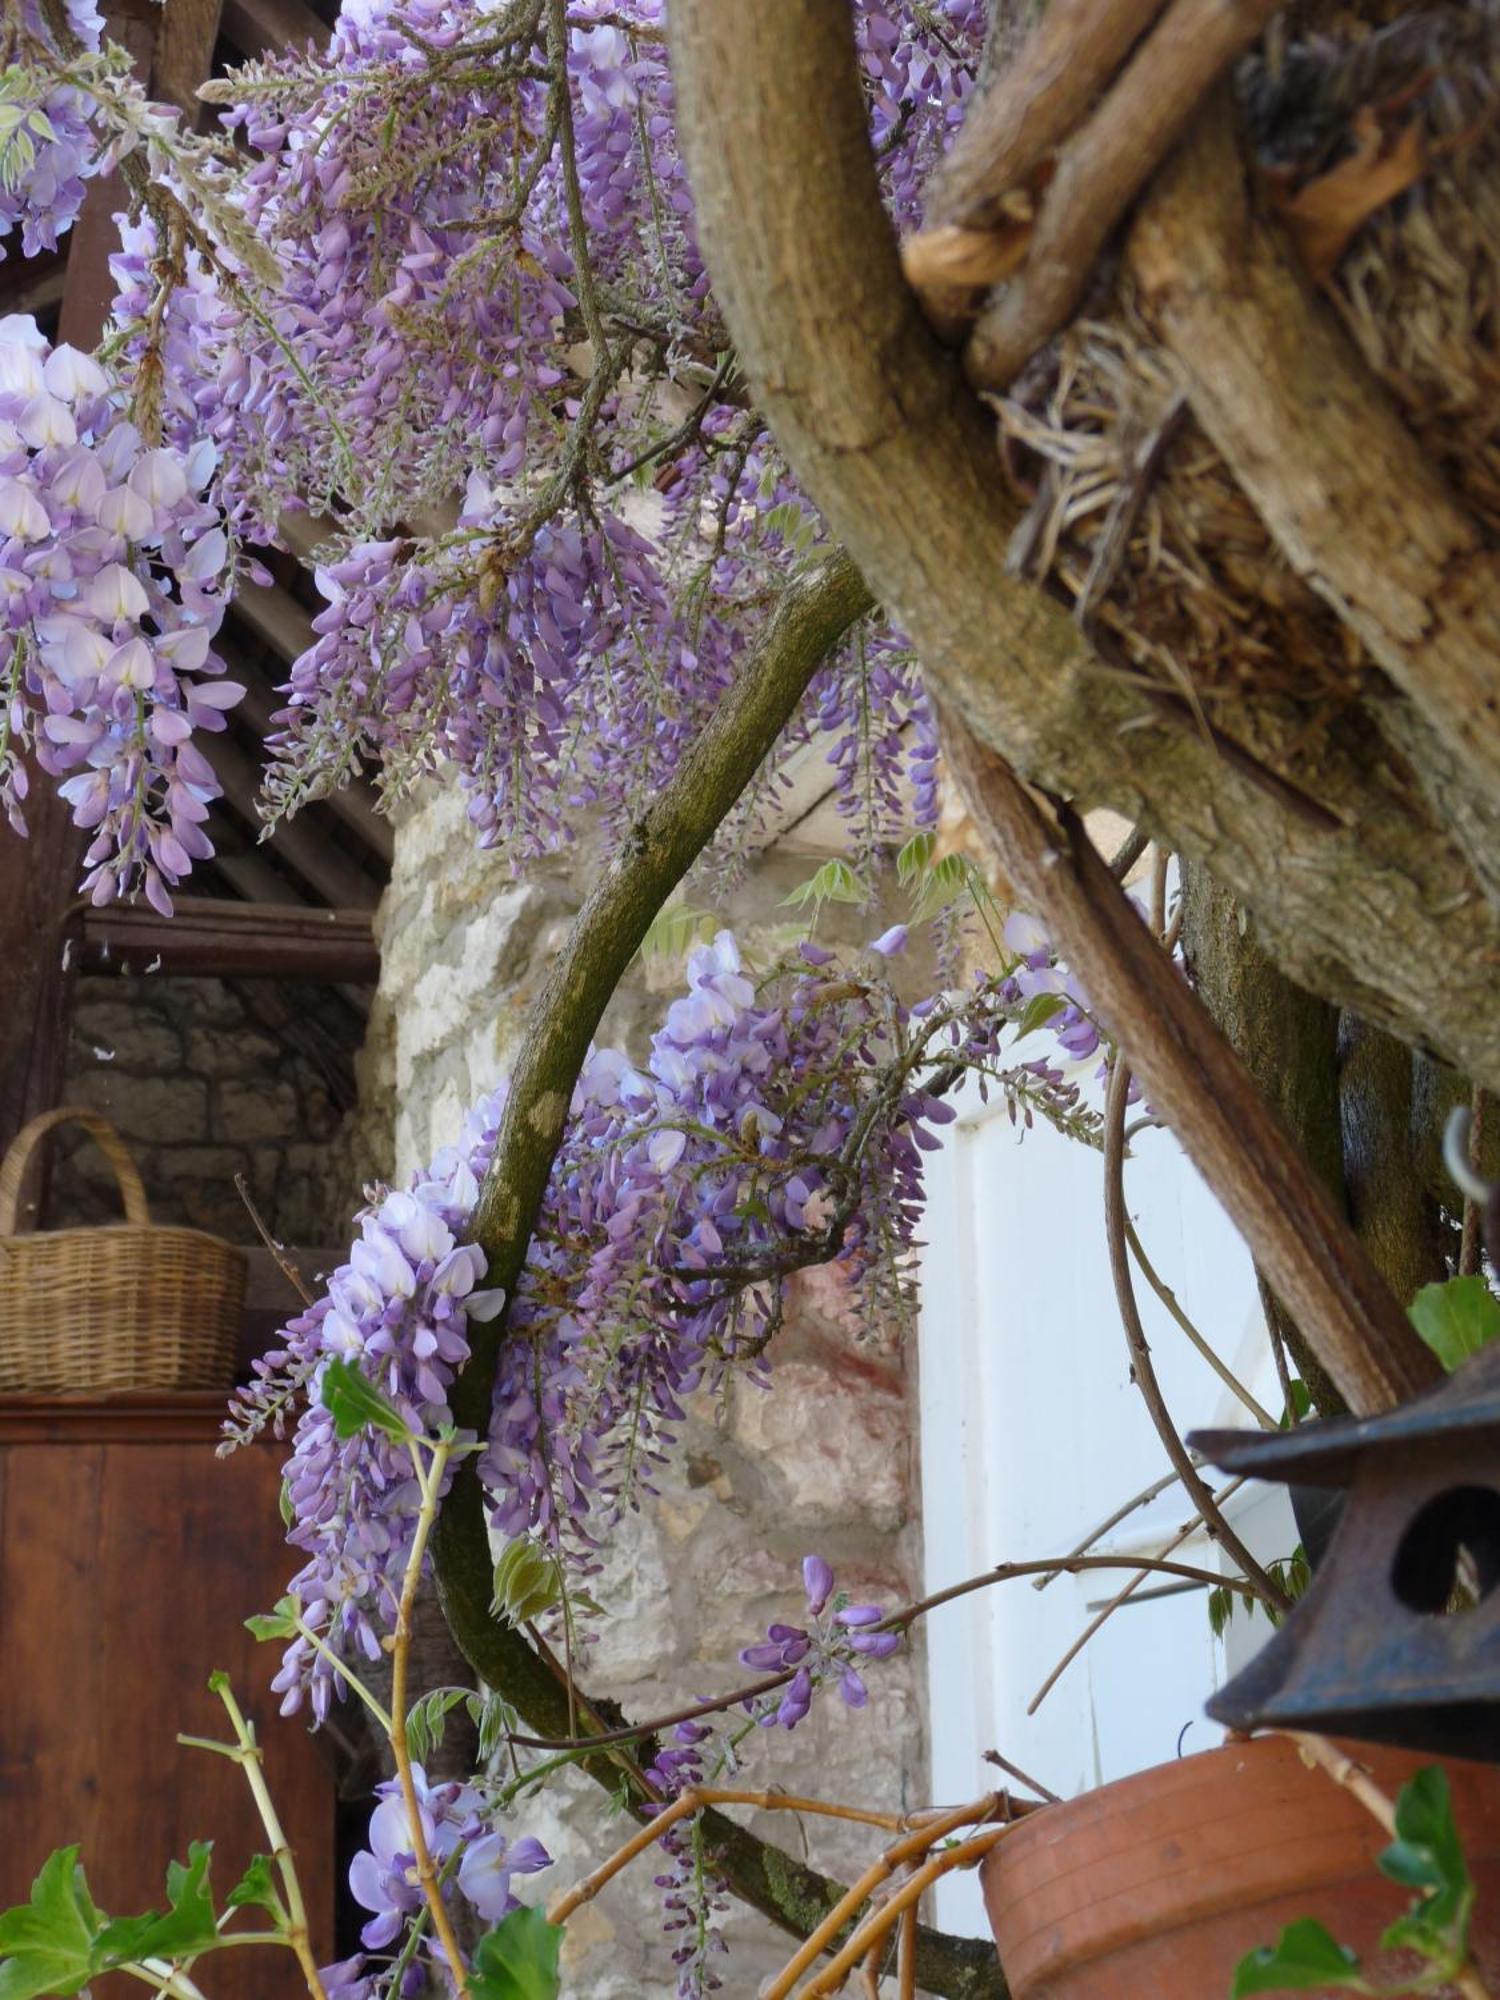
x: 1032, y: 1434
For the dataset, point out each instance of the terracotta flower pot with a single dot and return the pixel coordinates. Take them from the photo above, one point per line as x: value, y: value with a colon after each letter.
x: 1155, y: 1887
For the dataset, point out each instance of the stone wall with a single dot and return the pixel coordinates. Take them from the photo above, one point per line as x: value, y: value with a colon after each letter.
x: 206, y: 1079
x: 822, y: 1462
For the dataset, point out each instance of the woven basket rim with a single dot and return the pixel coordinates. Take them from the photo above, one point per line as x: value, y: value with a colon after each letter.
x: 37, y: 1237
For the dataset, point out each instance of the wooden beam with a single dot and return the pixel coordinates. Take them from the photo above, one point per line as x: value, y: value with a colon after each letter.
x: 208, y: 936
x: 185, y: 54
x: 352, y: 803
x: 267, y: 27
x: 327, y: 869
x: 275, y: 615
x: 246, y: 869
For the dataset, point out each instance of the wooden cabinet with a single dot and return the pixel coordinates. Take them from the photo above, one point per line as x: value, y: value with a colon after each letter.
x: 130, y: 1556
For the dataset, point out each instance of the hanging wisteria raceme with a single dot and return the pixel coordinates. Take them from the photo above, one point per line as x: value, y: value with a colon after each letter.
x: 112, y: 566
x: 50, y: 142
x: 490, y: 354
x: 774, y: 1125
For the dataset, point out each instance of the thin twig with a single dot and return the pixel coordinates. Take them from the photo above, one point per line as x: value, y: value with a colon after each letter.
x: 1168, y: 1298
x: 1015, y: 1771
x: 683, y: 1807
x: 1469, y: 1253
x: 1142, y: 1499
x: 906, y: 1897
x: 1101, y: 171
x: 1130, y: 850
x: 909, y: 1848
x: 1107, y: 1611
x: 288, y: 1269
x: 429, y: 1480
x: 1195, y: 1486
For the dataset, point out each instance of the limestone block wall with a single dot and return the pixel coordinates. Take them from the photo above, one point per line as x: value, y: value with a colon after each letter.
x: 206, y: 1079
x: 821, y: 1462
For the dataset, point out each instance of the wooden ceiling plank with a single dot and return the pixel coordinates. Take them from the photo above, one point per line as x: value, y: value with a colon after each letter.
x: 327, y: 869
x: 209, y: 936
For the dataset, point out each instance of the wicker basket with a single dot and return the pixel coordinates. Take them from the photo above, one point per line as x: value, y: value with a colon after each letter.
x: 126, y: 1306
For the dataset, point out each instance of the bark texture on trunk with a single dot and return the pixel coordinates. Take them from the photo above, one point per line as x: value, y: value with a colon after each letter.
x: 1359, y: 892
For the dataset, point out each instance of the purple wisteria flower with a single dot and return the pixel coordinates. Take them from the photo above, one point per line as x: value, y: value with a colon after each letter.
x: 383, y: 1877
x: 823, y: 1652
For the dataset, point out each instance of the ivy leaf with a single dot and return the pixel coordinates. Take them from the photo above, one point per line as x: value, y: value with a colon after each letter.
x: 187, y: 1928
x: 517, y: 1960
x: 1305, y: 1955
x: 1456, y: 1318
x: 355, y: 1404
x: 278, y: 1624
x: 47, y: 1945
x: 1428, y: 1855
x: 256, y: 1889
x: 527, y: 1583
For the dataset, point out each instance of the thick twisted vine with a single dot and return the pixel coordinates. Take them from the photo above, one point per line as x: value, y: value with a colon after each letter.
x: 815, y: 611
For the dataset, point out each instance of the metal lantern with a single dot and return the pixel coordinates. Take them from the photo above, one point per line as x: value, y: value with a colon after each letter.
x: 1398, y: 1638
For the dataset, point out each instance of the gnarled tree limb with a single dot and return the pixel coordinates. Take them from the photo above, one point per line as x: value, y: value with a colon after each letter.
x: 1343, y: 487
x: 1197, y: 1083
x: 1102, y: 169
x: 895, y: 449
x: 814, y: 613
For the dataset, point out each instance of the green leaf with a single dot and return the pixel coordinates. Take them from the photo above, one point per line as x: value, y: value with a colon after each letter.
x: 278, y: 1624
x: 427, y: 1720
x: 945, y: 882
x: 1305, y: 1955
x: 835, y: 882
x: 495, y: 1719
x: 355, y: 1404
x: 256, y: 1889
x: 1299, y: 1404
x: 1428, y: 1855
x: 1038, y: 1011
x: 676, y: 929
x: 1456, y: 1318
x: 47, y: 1945
x: 187, y: 1928
x: 527, y: 1583
x: 517, y: 1960
x: 915, y: 858
x: 1413, y: 1933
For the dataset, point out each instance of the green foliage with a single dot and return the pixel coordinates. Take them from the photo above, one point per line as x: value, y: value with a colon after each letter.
x: 48, y: 1944
x: 1426, y: 1855
x: 256, y: 1889
x: 427, y: 1720
x: 60, y: 1941
x: 675, y: 930
x: 495, y: 1719
x: 793, y: 523
x: 835, y: 882
x: 1456, y: 1318
x: 278, y: 1624
x: 1292, y: 1572
x: 517, y: 1960
x: 1038, y: 1011
x: 528, y: 1583
x: 1304, y: 1955
x: 355, y: 1404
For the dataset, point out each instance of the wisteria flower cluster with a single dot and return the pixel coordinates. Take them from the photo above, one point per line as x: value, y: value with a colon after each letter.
x: 822, y: 1652
x: 49, y: 142
x: 112, y: 567
x: 770, y: 1128
x: 490, y: 352
x: 455, y: 1822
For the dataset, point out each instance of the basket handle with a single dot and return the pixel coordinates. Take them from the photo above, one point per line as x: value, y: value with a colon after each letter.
x: 104, y: 1135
